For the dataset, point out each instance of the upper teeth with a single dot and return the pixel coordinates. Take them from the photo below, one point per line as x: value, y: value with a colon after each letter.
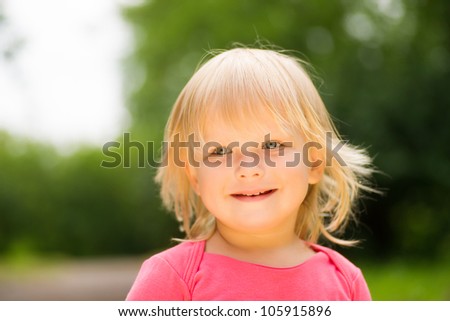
x: 256, y: 194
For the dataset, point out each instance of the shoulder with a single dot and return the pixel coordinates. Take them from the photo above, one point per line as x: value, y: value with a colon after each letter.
x: 338, y: 260
x: 168, y: 275
x: 181, y: 253
x: 184, y: 258
x: 349, y: 272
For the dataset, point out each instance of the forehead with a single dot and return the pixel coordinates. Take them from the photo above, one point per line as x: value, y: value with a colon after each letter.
x: 265, y: 126
x: 244, y: 92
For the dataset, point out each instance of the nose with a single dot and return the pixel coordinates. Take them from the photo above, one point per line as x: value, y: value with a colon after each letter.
x: 249, y: 166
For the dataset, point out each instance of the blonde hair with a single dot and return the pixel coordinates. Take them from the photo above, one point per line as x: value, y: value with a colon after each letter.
x: 243, y: 83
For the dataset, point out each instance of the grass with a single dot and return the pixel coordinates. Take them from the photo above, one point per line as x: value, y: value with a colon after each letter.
x: 408, y: 281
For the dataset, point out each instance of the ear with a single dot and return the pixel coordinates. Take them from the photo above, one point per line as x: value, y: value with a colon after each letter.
x: 316, y: 164
x: 191, y: 174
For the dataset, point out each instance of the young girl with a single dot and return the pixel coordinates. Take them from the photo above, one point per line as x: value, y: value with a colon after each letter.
x: 255, y: 172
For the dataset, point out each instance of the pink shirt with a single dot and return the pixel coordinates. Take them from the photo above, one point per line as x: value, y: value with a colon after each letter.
x: 187, y: 272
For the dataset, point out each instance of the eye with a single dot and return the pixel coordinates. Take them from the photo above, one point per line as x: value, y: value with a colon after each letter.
x: 271, y: 144
x: 220, y: 151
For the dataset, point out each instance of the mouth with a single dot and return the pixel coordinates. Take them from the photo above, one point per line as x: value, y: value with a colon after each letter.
x: 254, y: 196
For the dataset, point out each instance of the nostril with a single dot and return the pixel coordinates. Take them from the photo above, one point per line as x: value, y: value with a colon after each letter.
x: 252, y: 175
x: 247, y: 172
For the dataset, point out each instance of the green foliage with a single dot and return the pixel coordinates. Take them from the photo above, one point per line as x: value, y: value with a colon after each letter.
x: 385, y: 67
x: 54, y: 204
x: 408, y: 281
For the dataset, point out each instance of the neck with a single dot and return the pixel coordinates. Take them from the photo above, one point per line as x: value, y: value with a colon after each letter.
x: 226, y: 239
x: 273, y: 249
x: 277, y: 249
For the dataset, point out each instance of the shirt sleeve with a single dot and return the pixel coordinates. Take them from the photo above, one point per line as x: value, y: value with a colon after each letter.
x: 360, y: 289
x: 157, y: 280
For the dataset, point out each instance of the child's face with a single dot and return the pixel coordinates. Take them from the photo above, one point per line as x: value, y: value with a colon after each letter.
x: 253, y: 184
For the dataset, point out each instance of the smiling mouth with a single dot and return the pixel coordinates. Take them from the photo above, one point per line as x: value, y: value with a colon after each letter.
x: 254, y: 194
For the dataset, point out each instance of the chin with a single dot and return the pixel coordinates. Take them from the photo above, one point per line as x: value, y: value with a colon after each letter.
x: 254, y: 227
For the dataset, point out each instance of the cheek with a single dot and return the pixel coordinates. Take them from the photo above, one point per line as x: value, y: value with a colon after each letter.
x: 291, y: 163
x: 286, y: 158
x: 297, y: 181
x: 211, y: 190
x: 210, y: 179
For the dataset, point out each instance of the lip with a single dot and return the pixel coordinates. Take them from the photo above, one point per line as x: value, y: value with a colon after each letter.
x: 242, y: 196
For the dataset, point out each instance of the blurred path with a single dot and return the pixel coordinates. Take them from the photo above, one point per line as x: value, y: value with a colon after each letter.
x: 94, y: 279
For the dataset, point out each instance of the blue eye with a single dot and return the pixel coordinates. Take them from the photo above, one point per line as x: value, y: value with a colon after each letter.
x: 271, y: 144
x: 221, y: 151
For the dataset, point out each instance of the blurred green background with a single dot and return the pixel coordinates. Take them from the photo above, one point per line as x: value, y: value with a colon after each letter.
x: 383, y: 69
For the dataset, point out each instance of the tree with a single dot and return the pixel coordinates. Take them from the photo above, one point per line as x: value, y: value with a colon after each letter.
x: 385, y: 66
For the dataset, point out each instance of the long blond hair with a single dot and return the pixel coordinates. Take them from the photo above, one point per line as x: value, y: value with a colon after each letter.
x: 241, y: 84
